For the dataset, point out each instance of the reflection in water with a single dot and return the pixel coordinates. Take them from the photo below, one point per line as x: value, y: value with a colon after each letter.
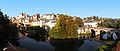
x: 33, y: 45
x: 37, y: 33
x: 65, y: 48
x: 90, y: 45
x: 38, y: 37
x: 64, y: 44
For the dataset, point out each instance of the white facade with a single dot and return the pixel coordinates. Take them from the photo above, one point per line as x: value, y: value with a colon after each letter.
x: 37, y: 23
x: 49, y: 16
x: 90, y: 24
x: 35, y: 20
x: 51, y: 23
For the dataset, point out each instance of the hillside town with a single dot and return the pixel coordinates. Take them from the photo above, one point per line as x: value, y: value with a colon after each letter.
x: 59, y: 25
x: 55, y: 29
x: 35, y: 20
x: 89, y: 28
x: 50, y: 20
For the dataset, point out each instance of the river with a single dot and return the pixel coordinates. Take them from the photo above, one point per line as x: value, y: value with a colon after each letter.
x: 33, y: 45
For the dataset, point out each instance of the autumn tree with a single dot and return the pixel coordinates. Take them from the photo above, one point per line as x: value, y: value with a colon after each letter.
x: 65, y: 28
x: 79, y: 21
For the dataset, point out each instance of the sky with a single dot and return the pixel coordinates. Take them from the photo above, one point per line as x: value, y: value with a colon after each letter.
x: 81, y: 8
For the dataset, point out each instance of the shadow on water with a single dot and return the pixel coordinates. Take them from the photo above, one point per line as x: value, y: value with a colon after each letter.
x: 38, y: 37
x: 37, y: 33
x: 60, y: 45
x: 38, y: 42
x: 66, y: 44
x: 34, y: 45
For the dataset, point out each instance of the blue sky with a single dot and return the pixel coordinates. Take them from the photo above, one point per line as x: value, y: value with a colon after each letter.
x: 81, y: 8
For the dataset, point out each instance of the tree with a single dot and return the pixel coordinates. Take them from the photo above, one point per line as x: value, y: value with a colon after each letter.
x: 64, y: 35
x: 95, y: 18
x: 8, y: 32
x: 110, y: 23
x: 36, y: 32
x: 79, y: 22
x: 65, y: 28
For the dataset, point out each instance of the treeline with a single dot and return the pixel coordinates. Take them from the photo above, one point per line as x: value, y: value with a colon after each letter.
x: 110, y: 23
x: 94, y: 18
x: 105, y: 22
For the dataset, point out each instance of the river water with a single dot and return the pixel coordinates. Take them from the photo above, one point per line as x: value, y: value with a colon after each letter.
x: 33, y: 45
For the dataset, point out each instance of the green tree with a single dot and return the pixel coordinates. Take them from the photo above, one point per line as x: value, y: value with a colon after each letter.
x: 8, y: 31
x: 36, y: 32
x: 95, y: 18
x: 110, y: 23
x: 79, y: 22
x: 65, y: 28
